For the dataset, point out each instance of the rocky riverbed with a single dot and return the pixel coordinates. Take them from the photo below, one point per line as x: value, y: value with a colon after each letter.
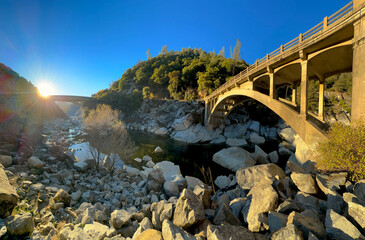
x: 270, y: 195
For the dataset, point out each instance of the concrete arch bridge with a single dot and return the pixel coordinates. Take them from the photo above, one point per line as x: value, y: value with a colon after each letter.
x: 335, y: 45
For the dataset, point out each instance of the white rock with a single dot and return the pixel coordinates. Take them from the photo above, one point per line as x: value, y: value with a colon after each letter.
x: 158, y: 150
x: 96, y: 230
x: 194, y: 134
x: 234, y: 158
x: 138, y: 159
x: 147, y: 158
x: 287, y: 134
x: 150, y: 164
x: 171, y: 172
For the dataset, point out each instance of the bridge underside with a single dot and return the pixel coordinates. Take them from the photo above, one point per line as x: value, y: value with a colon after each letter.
x: 330, y: 50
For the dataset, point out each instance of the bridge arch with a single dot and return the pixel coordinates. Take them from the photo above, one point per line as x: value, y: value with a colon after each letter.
x: 307, y: 130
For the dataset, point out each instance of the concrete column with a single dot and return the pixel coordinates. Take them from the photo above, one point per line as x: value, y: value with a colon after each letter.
x: 294, y: 93
x: 303, y: 88
x: 358, y: 67
x: 272, y: 85
x: 321, y: 99
x: 206, y: 110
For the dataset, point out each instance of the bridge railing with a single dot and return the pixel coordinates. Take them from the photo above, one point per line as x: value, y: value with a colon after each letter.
x: 317, y: 30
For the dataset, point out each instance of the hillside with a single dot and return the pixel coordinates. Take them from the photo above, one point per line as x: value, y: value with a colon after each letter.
x: 181, y: 75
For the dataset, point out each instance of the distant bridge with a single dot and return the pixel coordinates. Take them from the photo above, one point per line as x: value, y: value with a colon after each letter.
x: 69, y: 98
x: 335, y: 45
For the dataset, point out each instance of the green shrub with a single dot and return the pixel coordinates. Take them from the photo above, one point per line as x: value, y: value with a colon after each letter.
x: 344, y: 150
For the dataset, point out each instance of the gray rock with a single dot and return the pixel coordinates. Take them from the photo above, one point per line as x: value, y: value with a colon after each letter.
x: 287, y: 134
x: 34, y: 162
x: 274, y: 157
x: 228, y: 231
x: 76, y: 195
x: 262, y: 156
x: 304, y: 182
x: 158, y: 150
x: 236, y: 142
x: 307, y: 225
x: 355, y: 208
x: 224, y: 214
x: 332, y: 182
x: 96, y: 230
x: 203, y: 193
x: 254, y: 126
x: 119, y: 218
x: 290, y: 232
x: 62, y: 196
x: 256, y: 139
x: 277, y: 221
x: 6, y: 161
x: 192, y: 182
x: 235, y: 131
x: 359, y: 189
x: 236, y: 206
x: 161, y: 131
x: 335, y: 201
x: 338, y: 227
x: 234, y: 158
x: 306, y: 201
x: 79, y: 234
x: 264, y: 199
x: 222, y: 181
x: 20, y: 224
x: 189, y: 209
x: 171, y: 189
x: 288, y: 206
x: 81, y: 166
x: 171, y: 231
x: 8, y: 195
x: 284, y: 152
x: 248, y: 177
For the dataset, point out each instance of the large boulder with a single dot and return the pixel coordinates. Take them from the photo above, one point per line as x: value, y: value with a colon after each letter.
x: 338, y: 227
x: 96, y: 230
x: 304, y: 182
x: 290, y: 232
x: 355, y: 208
x: 235, y: 131
x: 171, y: 172
x: 359, y: 189
x: 34, y: 162
x: 171, y: 231
x: 234, y: 158
x: 224, y: 214
x: 236, y: 142
x: 183, y: 123
x: 6, y: 161
x: 307, y: 224
x: 189, y: 209
x: 256, y: 139
x: 287, y: 134
x: 119, y: 218
x: 8, y: 195
x: 264, y: 199
x: 228, y: 231
x: 249, y: 176
x: 332, y: 182
x: 193, y: 134
x: 20, y: 224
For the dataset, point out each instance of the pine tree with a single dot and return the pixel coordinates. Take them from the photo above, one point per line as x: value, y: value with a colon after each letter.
x: 222, y: 52
x: 148, y: 54
x: 164, y: 50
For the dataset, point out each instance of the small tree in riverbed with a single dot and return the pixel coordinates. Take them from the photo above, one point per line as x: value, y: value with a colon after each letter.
x: 108, y: 134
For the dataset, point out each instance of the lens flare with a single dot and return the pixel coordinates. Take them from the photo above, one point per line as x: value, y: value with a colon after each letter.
x: 45, y: 89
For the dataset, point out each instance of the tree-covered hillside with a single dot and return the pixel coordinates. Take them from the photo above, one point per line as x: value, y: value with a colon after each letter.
x: 11, y: 82
x: 187, y: 74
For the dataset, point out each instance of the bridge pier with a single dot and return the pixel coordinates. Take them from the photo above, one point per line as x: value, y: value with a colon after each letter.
x: 358, y: 66
x: 303, y: 87
x: 321, y: 99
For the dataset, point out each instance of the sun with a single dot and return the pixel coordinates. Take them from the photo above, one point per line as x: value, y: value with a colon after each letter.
x: 45, y: 89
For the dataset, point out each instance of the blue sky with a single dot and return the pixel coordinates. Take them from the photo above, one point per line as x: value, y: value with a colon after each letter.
x: 80, y: 46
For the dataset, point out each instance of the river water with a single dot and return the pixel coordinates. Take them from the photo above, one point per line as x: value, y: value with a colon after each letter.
x: 193, y: 159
